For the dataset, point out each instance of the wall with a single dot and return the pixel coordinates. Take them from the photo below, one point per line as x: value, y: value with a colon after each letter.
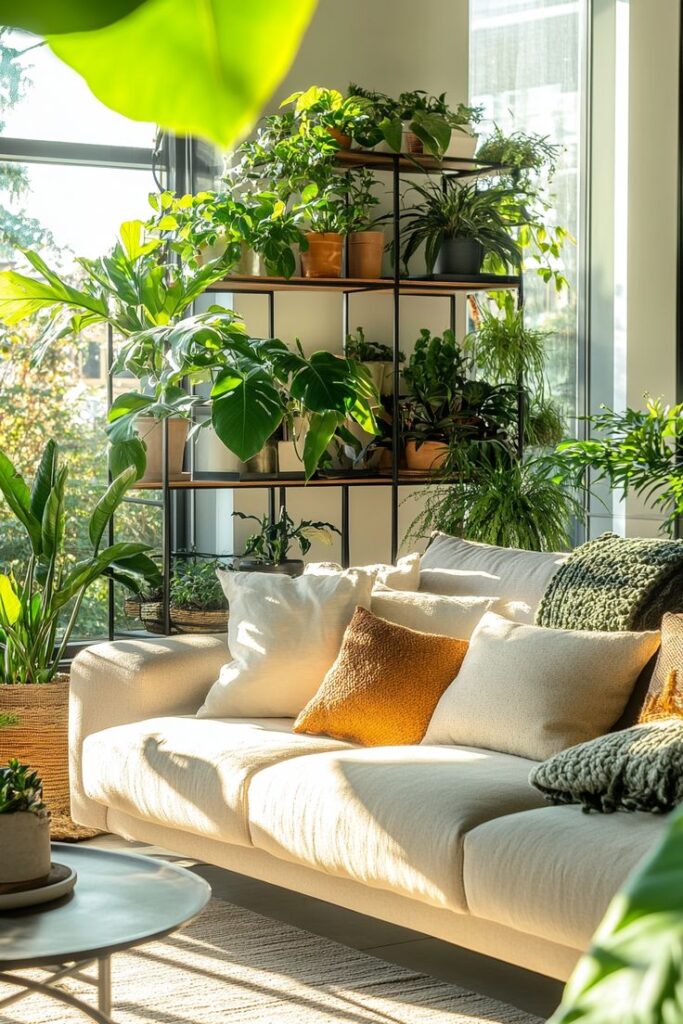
x: 392, y: 46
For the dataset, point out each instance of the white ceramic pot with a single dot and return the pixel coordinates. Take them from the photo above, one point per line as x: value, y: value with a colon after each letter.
x: 24, y: 850
x: 462, y: 146
x: 212, y: 460
x: 151, y: 432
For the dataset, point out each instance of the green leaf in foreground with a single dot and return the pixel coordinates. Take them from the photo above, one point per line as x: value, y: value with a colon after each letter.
x: 45, y: 16
x: 196, y: 67
x: 633, y: 971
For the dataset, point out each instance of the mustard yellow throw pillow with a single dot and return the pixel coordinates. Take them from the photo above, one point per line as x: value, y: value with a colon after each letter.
x: 384, y: 685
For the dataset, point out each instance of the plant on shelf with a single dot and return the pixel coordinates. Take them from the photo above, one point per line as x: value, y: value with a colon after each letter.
x: 267, y: 550
x: 502, y: 347
x: 24, y: 829
x: 366, y: 240
x: 342, y: 117
x: 636, y: 451
x: 377, y: 358
x: 430, y: 122
x: 381, y: 123
x: 520, y: 152
x: 323, y: 212
x: 459, y: 225
x: 197, y: 601
x: 499, y: 499
x: 544, y: 425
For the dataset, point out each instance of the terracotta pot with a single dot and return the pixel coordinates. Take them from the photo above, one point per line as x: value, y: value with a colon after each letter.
x: 40, y: 737
x: 151, y: 432
x: 24, y: 850
x: 431, y: 455
x: 324, y: 255
x: 366, y: 251
x: 343, y: 140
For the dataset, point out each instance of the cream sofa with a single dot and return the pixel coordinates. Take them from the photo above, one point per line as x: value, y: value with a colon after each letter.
x: 449, y: 841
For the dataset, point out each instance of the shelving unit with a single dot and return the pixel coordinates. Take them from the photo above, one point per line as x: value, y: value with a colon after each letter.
x: 396, y: 286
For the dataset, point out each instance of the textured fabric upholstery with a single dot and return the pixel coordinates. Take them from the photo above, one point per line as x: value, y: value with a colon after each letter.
x: 553, y: 872
x: 189, y: 773
x: 392, y: 817
x: 447, y: 615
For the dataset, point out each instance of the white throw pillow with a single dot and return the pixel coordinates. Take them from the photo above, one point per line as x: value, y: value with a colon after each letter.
x: 283, y: 634
x: 532, y: 691
x: 405, y: 575
x: 456, y: 617
x: 451, y: 565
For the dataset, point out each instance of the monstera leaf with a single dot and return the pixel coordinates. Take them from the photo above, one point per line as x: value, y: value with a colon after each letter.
x: 633, y: 971
x: 194, y: 67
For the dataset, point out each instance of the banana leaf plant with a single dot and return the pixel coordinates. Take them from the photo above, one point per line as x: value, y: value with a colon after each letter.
x: 255, y: 385
x: 39, y: 612
x: 633, y: 971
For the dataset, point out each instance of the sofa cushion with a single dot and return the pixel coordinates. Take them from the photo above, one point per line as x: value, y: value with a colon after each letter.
x: 405, y: 575
x: 391, y: 817
x: 189, y: 773
x: 451, y: 565
x: 553, y: 872
x: 447, y: 615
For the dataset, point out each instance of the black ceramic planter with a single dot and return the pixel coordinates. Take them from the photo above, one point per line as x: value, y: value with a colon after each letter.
x: 459, y: 256
x: 290, y: 567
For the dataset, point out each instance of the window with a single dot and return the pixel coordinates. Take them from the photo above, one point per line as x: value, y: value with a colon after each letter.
x: 70, y: 172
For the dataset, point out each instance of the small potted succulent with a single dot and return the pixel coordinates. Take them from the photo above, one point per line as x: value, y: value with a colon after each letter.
x: 267, y: 550
x: 24, y: 829
x: 377, y: 358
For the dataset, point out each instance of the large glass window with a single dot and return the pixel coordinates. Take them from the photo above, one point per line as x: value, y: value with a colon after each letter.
x: 66, y: 202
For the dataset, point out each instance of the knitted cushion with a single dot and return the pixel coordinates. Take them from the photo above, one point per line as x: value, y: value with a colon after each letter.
x: 615, y: 583
x: 384, y: 685
x: 638, y: 769
x: 665, y: 696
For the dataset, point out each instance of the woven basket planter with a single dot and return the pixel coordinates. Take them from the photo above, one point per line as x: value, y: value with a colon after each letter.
x: 41, y: 739
x: 183, y: 620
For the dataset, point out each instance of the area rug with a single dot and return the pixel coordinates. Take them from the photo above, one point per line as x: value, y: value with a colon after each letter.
x: 232, y: 966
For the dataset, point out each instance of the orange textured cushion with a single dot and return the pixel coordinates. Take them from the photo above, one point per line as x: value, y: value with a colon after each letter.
x: 384, y: 685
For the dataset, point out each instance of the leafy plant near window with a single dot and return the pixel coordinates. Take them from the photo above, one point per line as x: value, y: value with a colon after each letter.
x: 358, y: 347
x: 499, y: 500
x: 326, y: 108
x: 460, y: 211
x: 38, y: 613
x: 503, y: 348
x: 636, y: 451
x: 272, y: 542
x: 20, y: 789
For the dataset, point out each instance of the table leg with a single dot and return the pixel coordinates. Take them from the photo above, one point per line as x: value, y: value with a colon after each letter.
x: 104, y: 985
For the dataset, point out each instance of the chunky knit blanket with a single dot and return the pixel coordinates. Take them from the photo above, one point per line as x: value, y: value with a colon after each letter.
x: 639, y: 769
x: 612, y: 583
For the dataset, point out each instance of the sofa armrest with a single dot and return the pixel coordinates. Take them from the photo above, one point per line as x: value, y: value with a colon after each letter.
x: 128, y: 681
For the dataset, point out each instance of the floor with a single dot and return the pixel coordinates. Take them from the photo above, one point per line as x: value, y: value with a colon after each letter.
x: 531, y: 992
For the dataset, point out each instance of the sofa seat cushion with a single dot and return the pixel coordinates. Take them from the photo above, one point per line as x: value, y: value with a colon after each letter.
x: 390, y: 817
x: 189, y: 773
x: 553, y: 872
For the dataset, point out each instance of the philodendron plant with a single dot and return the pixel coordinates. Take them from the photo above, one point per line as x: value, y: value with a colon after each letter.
x: 39, y: 611
x: 273, y: 540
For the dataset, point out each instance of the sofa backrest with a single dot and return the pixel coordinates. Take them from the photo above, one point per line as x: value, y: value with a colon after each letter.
x: 451, y: 565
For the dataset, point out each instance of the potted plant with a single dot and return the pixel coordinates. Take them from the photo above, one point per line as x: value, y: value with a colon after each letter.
x: 380, y: 126
x: 520, y: 152
x: 197, y: 601
x: 459, y: 225
x: 267, y: 550
x: 339, y: 115
x: 377, y: 358
x: 24, y: 829
x: 425, y: 121
x: 434, y: 377
x: 366, y: 242
x: 503, y: 347
x: 39, y: 610
x: 323, y: 210
x: 464, y: 121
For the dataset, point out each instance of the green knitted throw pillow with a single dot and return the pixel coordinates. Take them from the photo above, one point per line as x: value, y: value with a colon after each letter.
x: 639, y: 769
x: 615, y: 583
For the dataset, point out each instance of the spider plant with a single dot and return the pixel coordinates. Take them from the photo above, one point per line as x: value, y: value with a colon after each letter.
x: 503, y: 348
x: 462, y: 211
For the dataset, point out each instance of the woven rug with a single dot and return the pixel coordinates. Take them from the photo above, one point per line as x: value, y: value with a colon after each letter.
x: 232, y: 966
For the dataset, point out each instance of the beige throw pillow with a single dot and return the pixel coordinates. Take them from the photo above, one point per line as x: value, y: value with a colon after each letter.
x: 533, y: 692
x: 455, y: 617
x: 283, y: 634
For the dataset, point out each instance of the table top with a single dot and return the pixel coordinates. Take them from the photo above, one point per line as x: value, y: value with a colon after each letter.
x: 120, y: 900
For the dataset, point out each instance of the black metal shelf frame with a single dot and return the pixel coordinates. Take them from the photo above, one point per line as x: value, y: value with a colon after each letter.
x: 396, y: 286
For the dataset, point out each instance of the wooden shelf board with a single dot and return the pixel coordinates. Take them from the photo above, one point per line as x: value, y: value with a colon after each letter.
x: 407, y: 286
x: 366, y: 481
x: 417, y: 163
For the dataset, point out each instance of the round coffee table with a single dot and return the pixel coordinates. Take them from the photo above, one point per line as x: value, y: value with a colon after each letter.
x: 120, y: 900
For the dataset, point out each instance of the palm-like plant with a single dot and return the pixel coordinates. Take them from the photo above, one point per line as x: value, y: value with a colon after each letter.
x: 460, y: 211
x: 39, y: 612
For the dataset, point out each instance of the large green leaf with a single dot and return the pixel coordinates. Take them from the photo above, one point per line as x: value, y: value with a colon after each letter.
x: 22, y: 296
x: 86, y: 572
x: 18, y: 497
x: 10, y: 605
x: 321, y: 429
x: 246, y: 409
x: 195, y: 67
x: 54, y: 516
x: 43, y: 480
x: 45, y: 16
x: 324, y: 383
x: 633, y: 971
x: 108, y: 503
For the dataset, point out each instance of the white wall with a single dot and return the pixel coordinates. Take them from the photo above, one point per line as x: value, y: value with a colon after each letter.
x: 390, y: 45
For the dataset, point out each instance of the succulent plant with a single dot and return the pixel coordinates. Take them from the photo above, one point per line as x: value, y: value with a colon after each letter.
x: 21, y: 789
